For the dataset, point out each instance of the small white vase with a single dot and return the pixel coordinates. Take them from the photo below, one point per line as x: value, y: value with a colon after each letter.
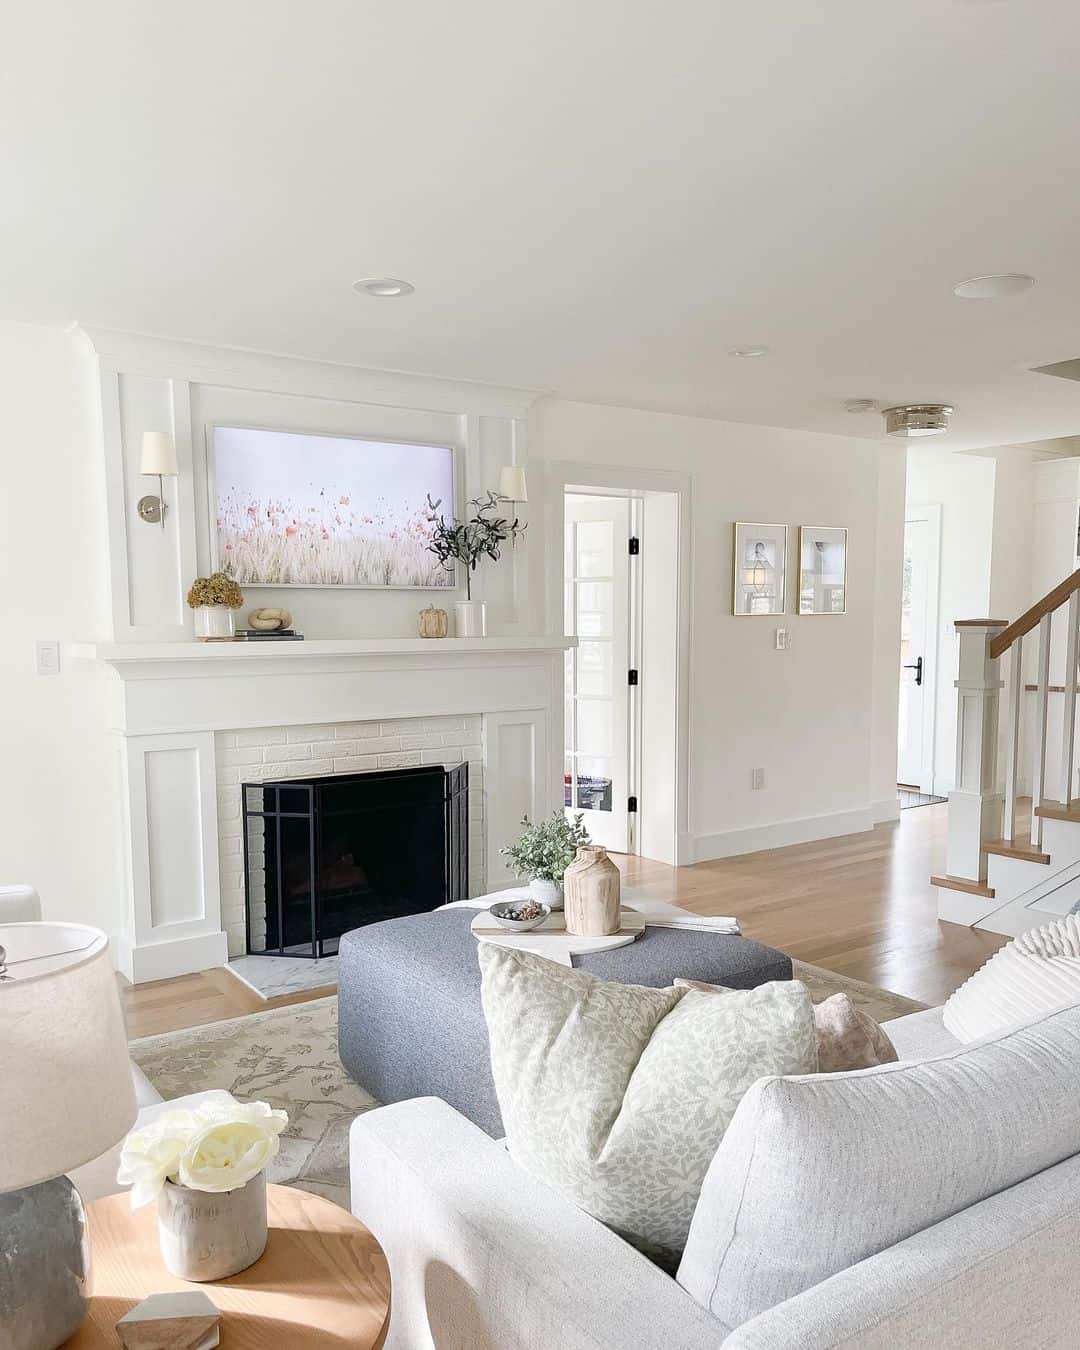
x: 214, y: 623
x: 207, y: 1235
x: 548, y: 893
x: 470, y: 618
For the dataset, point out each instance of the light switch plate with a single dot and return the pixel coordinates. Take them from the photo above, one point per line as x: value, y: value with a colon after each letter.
x: 47, y: 658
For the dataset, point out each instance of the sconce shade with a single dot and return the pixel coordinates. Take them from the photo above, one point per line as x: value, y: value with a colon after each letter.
x: 512, y: 484
x: 67, y: 1092
x: 158, y: 454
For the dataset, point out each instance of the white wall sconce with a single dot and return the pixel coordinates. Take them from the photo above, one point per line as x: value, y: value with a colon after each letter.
x: 512, y: 485
x: 158, y: 458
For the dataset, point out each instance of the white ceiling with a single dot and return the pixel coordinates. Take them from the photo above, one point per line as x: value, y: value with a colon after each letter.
x: 593, y: 197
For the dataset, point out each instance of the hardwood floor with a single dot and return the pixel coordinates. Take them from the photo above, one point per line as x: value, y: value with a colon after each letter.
x: 861, y: 905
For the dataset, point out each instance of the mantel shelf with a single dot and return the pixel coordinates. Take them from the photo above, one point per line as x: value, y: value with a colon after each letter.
x: 127, y: 655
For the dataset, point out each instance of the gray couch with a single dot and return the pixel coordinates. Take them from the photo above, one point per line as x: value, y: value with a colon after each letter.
x: 962, y: 1209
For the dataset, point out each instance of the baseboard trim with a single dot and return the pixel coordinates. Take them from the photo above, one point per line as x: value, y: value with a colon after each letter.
x: 163, y: 960
x: 778, y: 834
x: 887, y: 809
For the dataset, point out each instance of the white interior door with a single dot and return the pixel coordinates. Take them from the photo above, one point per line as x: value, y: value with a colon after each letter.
x: 918, y: 649
x: 597, y: 768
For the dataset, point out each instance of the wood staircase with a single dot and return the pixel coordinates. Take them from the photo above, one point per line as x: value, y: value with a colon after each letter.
x: 995, y: 879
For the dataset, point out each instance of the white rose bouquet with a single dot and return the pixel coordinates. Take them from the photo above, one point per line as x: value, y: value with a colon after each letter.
x: 219, y: 1146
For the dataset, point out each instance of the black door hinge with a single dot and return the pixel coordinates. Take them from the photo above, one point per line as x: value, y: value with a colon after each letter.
x: 631, y: 804
x: 631, y: 677
x: 635, y: 545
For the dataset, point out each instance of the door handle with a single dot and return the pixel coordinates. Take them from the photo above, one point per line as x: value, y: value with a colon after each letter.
x: 917, y: 668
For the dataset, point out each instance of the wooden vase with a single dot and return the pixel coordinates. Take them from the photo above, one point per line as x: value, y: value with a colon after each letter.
x: 591, y: 894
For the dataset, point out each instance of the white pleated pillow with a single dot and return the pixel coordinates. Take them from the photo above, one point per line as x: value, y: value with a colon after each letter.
x: 1032, y: 974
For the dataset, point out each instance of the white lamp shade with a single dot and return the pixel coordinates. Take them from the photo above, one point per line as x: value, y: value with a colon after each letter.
x: 512, y: 484
x: 67, y: 1094
x: 158, y: 454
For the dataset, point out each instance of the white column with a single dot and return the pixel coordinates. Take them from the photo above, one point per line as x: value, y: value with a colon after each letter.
x: 976, y: 799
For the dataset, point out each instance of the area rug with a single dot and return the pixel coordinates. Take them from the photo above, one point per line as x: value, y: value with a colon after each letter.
x: 288, y: 1057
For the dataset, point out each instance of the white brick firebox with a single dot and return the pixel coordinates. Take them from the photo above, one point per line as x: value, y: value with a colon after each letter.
x: 192, y: 721
x: 337, y: 747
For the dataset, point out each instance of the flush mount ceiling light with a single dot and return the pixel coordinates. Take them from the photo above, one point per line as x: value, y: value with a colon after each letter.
x: 997, y: 286
x: 383, y: 287
x: 917, y: 419
x: 749, y: 351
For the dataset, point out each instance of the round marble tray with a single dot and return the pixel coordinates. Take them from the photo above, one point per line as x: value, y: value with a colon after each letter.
x: 552, y: 940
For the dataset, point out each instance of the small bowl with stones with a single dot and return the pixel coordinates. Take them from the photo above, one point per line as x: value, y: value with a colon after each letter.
x: 519, y: 915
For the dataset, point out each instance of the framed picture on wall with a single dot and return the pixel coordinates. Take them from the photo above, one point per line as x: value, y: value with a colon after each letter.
x: 759, y: 567
x: 308, y: 509
x: 822, y: 569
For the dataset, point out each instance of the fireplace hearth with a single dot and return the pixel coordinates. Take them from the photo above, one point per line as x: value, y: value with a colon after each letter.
x: 327, y: 854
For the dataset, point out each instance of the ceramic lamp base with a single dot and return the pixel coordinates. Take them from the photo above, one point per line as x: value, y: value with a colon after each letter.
x: 45, y: 1265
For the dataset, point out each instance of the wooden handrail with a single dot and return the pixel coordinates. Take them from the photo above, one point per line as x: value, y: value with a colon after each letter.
x: 1030, y: 619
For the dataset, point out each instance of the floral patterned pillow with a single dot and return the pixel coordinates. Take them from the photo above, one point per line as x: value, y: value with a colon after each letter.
x: 847, y: 1038
x: 617, y: 1095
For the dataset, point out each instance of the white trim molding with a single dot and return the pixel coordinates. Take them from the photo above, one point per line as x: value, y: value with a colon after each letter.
x: 169, y: 699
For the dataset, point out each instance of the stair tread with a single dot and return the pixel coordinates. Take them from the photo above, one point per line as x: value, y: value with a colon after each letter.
x: 964, y: 884
x: 1006, y: 848
x: 1051, y: 810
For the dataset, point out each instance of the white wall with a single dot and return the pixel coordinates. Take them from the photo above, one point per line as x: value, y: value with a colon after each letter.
x: 805, y: 715
x: 58, y: 780
x: 963, y: 485
x: 818, y: 718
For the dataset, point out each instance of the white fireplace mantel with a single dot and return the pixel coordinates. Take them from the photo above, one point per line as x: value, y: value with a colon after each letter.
x: 169, y: 699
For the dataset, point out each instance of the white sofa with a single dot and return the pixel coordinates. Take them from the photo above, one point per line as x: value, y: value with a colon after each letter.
x: 484, y: 1257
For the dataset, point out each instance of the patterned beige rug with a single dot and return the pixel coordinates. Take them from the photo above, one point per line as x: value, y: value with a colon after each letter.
x: 288, y: 1057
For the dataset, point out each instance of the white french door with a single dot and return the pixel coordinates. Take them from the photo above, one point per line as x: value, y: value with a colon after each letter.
x: 597, y: 776
x: 918, y: 648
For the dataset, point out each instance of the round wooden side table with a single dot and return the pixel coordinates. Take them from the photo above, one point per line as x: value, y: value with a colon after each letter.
x: 322, y: 1281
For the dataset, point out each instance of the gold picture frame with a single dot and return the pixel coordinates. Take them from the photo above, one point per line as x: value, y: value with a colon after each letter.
x: 758, y: 569
x: 822, y: 569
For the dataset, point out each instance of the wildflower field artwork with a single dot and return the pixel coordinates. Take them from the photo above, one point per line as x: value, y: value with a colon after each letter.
x: 305, y: 510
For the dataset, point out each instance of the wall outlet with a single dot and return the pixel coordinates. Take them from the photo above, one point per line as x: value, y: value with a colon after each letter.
x: 757, y: 779
x: 783, y: 639
x: 47, y: 658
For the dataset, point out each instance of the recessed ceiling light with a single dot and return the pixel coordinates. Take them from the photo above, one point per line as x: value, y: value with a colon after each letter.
x: 994, y: 287
x: 917, y: 419
x: 749, y: 351
x: 383, y: 286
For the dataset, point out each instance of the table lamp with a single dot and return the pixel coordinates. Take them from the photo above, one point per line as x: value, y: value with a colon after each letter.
x: 66, y: 1097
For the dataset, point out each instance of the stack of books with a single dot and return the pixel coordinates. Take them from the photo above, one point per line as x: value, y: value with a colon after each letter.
x: 270, y: 635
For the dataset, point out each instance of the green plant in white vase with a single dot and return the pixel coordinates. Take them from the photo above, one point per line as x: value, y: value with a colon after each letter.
x: 544, y: 852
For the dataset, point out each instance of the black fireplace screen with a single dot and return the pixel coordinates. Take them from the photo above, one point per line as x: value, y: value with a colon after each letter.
x: 328, y: 854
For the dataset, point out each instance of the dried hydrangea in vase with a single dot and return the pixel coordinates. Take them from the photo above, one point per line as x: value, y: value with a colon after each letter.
x: 214, y: 600
x: 206, y: 1168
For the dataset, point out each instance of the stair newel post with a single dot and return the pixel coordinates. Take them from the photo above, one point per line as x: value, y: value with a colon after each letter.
x: 976, y: 799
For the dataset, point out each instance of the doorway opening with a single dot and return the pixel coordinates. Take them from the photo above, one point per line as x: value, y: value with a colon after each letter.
x: 916, y: 723
x: 622, y: 599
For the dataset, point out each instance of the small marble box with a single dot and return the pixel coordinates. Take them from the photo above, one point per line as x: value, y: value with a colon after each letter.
x: 181, y: 1321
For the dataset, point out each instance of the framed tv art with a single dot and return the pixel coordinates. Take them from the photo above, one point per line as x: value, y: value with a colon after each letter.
x: 311, y: 509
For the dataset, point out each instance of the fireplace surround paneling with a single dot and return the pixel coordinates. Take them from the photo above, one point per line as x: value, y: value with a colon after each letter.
x: 192, y: 721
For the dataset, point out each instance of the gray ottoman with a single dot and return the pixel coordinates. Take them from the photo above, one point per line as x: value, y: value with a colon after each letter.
x: 410, y: 1020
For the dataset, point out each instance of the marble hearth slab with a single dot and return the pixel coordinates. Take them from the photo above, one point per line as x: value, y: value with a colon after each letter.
x: 271, y: 976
